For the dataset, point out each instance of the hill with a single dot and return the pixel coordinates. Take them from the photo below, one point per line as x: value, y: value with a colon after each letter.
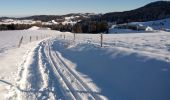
x: 152, y: 11
x: 58, y: 18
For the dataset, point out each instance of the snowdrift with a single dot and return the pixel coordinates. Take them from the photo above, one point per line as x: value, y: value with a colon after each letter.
x: 163, y: 24
x: 121, y: 75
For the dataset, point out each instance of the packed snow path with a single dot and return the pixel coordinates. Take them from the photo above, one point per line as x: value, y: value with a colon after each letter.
x: 44, y: 68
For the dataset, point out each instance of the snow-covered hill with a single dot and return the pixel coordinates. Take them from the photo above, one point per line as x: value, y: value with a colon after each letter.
x: 163, y: 24
x: 66, y: 66
x: 157, y: 25
x: 48, y: 20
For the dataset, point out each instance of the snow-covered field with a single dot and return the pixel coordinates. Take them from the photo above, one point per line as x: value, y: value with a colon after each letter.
x: 57, y: 66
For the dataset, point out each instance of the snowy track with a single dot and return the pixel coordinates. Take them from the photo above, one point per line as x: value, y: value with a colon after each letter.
x: 76, y: 87
x: 35, y: 80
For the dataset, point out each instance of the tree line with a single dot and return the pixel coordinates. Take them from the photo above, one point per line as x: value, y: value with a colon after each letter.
x: 14, y: 26
x: 90, y: 27
x: 80, y: 27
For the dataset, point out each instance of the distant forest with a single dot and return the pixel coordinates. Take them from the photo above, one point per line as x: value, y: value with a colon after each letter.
x: 101, y: 22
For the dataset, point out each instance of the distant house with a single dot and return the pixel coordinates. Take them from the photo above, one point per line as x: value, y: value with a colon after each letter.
x: 138, y: 27
x: 144, y: 28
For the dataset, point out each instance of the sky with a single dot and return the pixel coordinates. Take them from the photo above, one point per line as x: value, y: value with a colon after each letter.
x: 59, y: 7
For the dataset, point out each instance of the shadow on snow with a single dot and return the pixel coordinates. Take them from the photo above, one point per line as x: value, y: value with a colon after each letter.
x: 120, y: 77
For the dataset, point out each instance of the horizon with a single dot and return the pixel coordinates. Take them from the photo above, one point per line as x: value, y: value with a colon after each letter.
x: 20, y: 8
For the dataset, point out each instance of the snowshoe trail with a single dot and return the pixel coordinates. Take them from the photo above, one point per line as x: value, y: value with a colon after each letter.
x: 34, y: 81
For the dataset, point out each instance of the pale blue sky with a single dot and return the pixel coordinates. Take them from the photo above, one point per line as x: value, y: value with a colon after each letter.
x: 55, y: 7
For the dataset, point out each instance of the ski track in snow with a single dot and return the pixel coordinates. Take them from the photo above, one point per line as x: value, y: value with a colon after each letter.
x: 42, y: 69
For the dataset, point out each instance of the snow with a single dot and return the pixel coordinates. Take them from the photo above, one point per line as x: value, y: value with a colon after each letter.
x: 141, y: 29
x: 129, y: 67
x: 9, y: 62
x: 54, y: 22
x: 149, y: 29
x: 119, y: 31
x: 39, y: 28
x: 157, y: 25
x: 11, y: 56
x: 149, y: 26
x: 57, y: 66
x: 120, y: 74
x: 34, y: 28
x: 14, y: 21
x: 68, y: 20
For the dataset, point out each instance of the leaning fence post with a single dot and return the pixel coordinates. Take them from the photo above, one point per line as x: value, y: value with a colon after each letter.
x: 30, y: 38
x: 101, y: 37
x: 20, y: 42
x: 64, y: 36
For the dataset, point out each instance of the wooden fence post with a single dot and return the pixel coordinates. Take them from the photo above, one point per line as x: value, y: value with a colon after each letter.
x: 101, y: 37
x: 64, y: 36
x: 20, y: 42
x: 30, y: 38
